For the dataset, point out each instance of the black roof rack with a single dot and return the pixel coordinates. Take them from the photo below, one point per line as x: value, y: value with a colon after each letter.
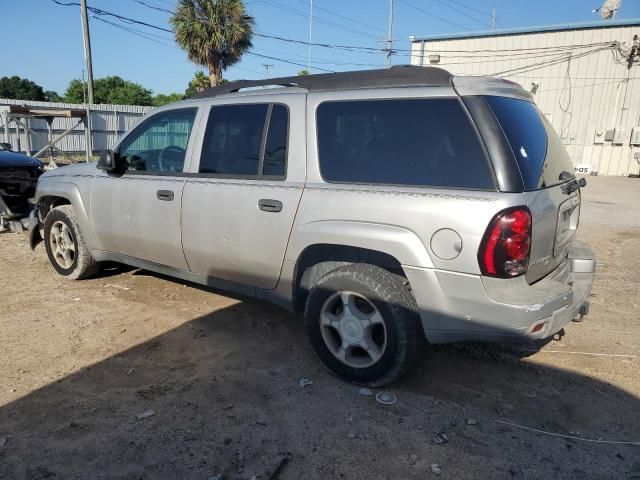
x: 398, y: 76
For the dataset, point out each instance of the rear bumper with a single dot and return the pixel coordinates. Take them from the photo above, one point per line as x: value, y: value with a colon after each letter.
x: 456, y: 307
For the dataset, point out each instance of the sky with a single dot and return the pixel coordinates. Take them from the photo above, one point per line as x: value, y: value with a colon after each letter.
x: 43, y: 41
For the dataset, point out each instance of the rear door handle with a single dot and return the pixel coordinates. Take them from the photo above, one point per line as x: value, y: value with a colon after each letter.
x: 268, y: 205
x: 166, y: 195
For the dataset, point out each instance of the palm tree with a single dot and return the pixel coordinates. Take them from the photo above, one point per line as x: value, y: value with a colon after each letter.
x: 214, y: 33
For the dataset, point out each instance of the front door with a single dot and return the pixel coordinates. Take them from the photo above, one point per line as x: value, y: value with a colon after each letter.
x: 136, y: 211
x: 239, y: 207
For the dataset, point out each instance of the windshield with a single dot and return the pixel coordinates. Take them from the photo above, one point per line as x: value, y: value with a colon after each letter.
x: 536, y: 146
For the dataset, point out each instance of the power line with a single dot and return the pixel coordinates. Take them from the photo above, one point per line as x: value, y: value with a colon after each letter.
x: 322, y: 20
x: 287, y: 61
x: 160, y: 9
x: 468, y: 7
x: 326, y: 10
x: 461, y: 12
x: 431, y: 14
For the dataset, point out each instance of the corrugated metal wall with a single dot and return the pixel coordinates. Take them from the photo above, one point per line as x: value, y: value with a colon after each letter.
x: 108, y: 123
x: 590, y: 91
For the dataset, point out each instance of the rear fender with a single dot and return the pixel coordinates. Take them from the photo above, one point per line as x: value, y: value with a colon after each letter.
x: 401, y: 243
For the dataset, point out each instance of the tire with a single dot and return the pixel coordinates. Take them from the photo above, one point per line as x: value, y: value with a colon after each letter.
x: 388, y: 339
x: 67, y: 252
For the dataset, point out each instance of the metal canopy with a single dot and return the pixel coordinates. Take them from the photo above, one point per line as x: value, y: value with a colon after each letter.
x: 18, y: 110
x: 17, y: 113
x: 399, y: 76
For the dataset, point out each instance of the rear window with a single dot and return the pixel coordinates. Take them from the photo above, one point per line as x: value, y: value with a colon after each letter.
x: 536, y: 146
x: 418, y: 142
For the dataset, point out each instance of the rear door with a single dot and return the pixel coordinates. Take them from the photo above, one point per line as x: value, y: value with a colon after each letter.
x: 239, y: 205
x: 545, y: 168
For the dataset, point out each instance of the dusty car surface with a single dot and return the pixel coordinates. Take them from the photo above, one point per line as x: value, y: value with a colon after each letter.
x: 18, y: 178
x: 390, y: 206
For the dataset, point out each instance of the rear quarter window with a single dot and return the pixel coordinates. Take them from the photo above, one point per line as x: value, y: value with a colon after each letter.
x: 537, y: 148
x: 414, y: 142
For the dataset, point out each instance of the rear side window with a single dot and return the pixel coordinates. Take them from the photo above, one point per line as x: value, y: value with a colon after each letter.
x: 536, y: 146
x: 246, y: 140
x: 418, y: 142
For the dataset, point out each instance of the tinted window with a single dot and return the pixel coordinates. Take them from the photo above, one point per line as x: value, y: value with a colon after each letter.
x: 403, y: 142
x: 160, y: 143
x: 536, y: 146
x: 233, y: 139
x: 275, y: 151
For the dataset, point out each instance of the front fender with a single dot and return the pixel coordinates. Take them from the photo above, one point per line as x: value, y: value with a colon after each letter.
x: 401, y: 243
x: 70, y: 192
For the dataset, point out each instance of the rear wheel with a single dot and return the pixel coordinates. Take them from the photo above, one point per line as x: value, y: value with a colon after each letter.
x: 363, y: 324
x: 67, y: 252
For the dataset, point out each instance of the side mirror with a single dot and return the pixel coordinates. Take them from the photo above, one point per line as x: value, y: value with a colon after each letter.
x: 107, y: 161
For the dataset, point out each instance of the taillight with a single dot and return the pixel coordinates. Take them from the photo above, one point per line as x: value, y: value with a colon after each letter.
x: 504, y: 251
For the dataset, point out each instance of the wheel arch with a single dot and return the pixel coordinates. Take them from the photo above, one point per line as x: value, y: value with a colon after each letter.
x: 53, y: 194
x: 318, y: 259
x: 340, y: 242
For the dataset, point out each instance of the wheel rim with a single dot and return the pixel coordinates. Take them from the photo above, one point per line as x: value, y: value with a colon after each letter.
x: 63, y: 247
x: 353, y: 329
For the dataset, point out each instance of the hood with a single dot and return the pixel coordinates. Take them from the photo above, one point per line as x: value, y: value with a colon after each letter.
x: 82, y: 168
x: 11, y: 160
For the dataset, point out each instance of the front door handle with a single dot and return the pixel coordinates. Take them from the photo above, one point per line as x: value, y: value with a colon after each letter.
x: 268, y: 205
x: 166, y: 195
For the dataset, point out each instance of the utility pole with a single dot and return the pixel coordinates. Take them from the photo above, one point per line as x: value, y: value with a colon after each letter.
x: 310, y: 26
x: 390, y: 35
x: 266, y: 66
x: 87, y: 59
x: 87, y: 48
x: 493, y: 19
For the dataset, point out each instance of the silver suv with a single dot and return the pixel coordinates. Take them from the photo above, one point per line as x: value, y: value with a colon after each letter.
x: 390, y: 206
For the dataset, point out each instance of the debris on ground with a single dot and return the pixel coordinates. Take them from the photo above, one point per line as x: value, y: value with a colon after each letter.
x: 386, y: 398
x: 365, y: 391
x: 413, y: 458
x: 435, y: 469
x: 440, y: 438
x: 280, y: 466
x: 303, y: 382
x: 351, y: 435
x: 3, y: 441
x: 148, y: 413
x: 472, y: 421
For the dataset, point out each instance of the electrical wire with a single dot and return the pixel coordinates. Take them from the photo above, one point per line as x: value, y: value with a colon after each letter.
x: 431, y: 14
x: 449, y: 5
x: 160, y: 9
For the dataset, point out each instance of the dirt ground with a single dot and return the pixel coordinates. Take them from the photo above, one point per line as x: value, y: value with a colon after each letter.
x: 216, y: 380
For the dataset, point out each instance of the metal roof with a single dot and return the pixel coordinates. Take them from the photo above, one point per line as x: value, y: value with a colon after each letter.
x: 537, y: 29
x: 399, y: 76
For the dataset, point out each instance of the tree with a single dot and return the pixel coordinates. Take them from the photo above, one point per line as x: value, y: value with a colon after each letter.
x: 214, y: 33
x: 113, y: 90
x: 197, y: 84
x: 162, y: 99
x: 20, y: 89
x: 303, y: 73
x: 52, y: 96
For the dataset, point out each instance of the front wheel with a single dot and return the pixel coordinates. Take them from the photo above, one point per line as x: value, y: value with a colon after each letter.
x: 67, y: 252
x: 363, y: 324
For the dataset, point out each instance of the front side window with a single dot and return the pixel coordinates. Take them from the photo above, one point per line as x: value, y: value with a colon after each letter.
x: 237, y: 144
x: 158, y: 145
x: 414, y: 142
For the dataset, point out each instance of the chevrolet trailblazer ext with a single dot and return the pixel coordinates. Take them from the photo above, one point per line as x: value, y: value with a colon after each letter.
x: 389, y: 206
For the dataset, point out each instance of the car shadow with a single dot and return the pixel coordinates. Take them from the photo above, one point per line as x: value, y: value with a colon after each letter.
x: 220, y: 395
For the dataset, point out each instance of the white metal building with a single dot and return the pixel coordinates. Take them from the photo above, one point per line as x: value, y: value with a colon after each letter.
x: 584, y: 77
x: 108, y: 123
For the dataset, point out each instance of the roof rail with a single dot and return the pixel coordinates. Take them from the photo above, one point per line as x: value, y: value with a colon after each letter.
x: 398, y: 76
